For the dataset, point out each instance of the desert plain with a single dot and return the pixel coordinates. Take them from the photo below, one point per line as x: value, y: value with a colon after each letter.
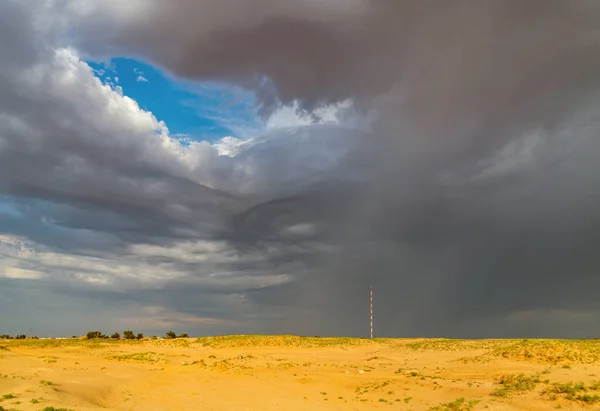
x: 247, y: 373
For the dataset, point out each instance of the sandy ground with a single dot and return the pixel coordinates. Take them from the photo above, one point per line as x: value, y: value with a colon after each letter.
x: 293, y: 373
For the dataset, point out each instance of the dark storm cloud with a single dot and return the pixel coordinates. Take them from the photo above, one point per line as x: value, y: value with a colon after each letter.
x: 458, y: 62
x: 465, y: 190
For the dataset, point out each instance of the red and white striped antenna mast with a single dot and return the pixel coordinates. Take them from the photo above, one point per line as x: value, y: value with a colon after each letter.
x: 371, y: 310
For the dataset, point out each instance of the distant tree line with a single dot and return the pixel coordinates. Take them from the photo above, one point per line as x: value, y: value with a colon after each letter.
x: 171, y: 335
x: 130, y: 335
x: 94, y: 335
x: 16, y: 337
x: 127, y: 335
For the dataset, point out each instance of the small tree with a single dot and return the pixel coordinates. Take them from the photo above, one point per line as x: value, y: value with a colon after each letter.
x: 140, y: 336
x: 128, y: 334
x: 116, y: 336
x: 21, y: 337
x: 94, y: 334
x: 171, y: 335
x: 184, y: 335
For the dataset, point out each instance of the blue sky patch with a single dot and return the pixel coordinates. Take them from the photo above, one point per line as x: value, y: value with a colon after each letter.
x: 192, y: 110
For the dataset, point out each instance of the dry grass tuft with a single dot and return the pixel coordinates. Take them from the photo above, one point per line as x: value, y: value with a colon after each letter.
x: 147, y: 357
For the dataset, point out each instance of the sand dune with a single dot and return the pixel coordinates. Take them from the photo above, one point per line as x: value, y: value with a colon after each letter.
x: 294, y: 373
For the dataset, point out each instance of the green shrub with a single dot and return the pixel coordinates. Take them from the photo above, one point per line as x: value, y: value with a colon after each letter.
x: 129, y: 335
x: 575, y: 392
x: 589, y: 398
x: 512, y: 383
x: 457, y: 405
x: 92, y: 335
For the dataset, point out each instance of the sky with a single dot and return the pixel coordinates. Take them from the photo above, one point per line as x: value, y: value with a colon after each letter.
x: 254, y: 166
x: 193, y: 111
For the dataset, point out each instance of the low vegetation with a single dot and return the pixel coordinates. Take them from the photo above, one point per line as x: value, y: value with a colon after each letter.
x: 561, y: 352
x: 231, y: 341
x: 459, y: 404
x: 564, y: 352
x: 574, y: 391
x: 147, y: 357
x: 515, y: 383
x: 420, y: 376
x: 442, y: 344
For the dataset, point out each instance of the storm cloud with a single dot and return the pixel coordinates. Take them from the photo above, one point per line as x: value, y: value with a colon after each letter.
x: 459, y: 175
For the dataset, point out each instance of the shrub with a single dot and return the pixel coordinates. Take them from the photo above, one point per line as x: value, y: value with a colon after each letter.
x: 590, y: 399
x: 184, y: 335
x: 512, y: 383
x: 140, y: 336
x: 575, y: 392
x: 129, y: 335
x: 116, y: 336
x: 570, y: 389
x: 171, y: 335
x: 457, y: 405
x: 20, y: 337
x: 95, y: 334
